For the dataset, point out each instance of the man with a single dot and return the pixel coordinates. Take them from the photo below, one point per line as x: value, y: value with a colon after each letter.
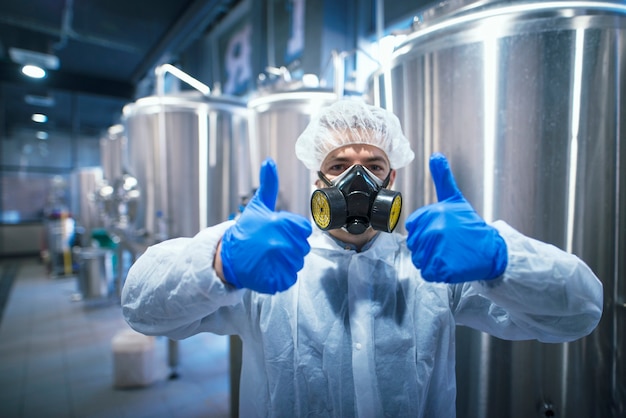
x: 354, y: 320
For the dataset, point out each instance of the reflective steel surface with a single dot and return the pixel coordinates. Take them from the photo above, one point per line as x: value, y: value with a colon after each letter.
x: 84, y: 183
x: 190, y: 155
x: 278, y: 118
x: 113, y: 153
x: 527, y: 99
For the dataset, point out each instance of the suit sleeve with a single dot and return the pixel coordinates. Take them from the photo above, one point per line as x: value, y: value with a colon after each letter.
x: 545, y: 294
x: 173, y: 290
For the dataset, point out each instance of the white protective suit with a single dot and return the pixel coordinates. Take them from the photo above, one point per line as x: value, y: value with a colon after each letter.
x: 359, y: 334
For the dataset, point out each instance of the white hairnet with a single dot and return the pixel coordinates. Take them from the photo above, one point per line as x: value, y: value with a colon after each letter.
x: 353, y: 122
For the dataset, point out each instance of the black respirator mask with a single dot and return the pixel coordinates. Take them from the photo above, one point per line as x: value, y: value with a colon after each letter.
x: 355, y: 200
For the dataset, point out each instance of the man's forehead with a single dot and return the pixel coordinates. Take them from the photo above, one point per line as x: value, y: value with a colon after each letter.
x: 370, y: 152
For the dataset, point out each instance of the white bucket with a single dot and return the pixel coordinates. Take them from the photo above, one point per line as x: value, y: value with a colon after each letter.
x: 133, y: 359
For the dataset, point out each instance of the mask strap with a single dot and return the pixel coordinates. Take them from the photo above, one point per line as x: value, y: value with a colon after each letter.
x: 387, y: 179
x: 324, y: 179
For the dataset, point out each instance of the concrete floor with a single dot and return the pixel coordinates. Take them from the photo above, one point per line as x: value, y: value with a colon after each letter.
x: 57, y: 360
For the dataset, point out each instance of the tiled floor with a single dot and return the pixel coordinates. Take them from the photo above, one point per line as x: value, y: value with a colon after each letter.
x: 56, y: 359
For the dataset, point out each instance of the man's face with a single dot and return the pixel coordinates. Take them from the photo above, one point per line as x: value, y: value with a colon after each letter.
x: 338, y: 161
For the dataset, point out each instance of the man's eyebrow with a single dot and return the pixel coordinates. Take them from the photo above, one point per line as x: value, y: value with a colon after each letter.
x: 376, y: 158
x: 338, y: 159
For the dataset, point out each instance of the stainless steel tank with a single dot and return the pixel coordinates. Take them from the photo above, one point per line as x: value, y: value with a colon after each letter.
x: 528, y: 101
x: 277, y: 119
x: 113, y: 153
x: 190, y: 155
x: 84, y: 182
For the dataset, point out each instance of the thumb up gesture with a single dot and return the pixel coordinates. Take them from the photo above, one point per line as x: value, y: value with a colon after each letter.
x: 265, y: 249
x: 449, y: 242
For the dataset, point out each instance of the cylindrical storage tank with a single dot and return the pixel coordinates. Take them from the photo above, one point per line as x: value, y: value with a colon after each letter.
x: 113, y: 159
x: 95, y: 271
x: 190, y: 155
x: 84, y: 182
x: 277, y: 120
x: 528, y: 101
x: 113, y: 153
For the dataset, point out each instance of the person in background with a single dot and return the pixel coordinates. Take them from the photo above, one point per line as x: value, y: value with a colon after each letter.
x: 353, y: 319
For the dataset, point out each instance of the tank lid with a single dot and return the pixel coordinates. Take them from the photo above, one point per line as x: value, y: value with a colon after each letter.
x: 183, y: 100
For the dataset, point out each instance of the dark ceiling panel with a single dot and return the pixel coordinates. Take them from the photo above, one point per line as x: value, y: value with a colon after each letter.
x: 127, y: 26
x: 104, y: 47
x: 33, y: 12
x: 99, y: 60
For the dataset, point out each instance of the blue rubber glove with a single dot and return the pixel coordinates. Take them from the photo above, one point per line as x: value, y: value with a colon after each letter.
x: 265, y: 249
x: 449, y: 242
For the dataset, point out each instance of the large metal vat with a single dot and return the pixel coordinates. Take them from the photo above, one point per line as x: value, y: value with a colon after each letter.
x: 84, y: 183
x: 528, y: 100
x: 111, y: 196
x: 95, y: 271
x: 278, y: 118
x: 190, y: 155
x: 113, y: 153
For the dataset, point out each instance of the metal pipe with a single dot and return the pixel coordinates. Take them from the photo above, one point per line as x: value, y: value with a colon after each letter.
x: 282, y: 72
x: 339, y: 68
x: 164, y: 69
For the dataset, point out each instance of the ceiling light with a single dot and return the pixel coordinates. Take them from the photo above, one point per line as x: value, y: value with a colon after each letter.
x: 39, y: 118
x: 33, y: 71
x: 25, y: 57
x: 43, y: 135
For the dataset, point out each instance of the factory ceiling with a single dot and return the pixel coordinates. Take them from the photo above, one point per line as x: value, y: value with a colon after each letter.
x: 97, y: 53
